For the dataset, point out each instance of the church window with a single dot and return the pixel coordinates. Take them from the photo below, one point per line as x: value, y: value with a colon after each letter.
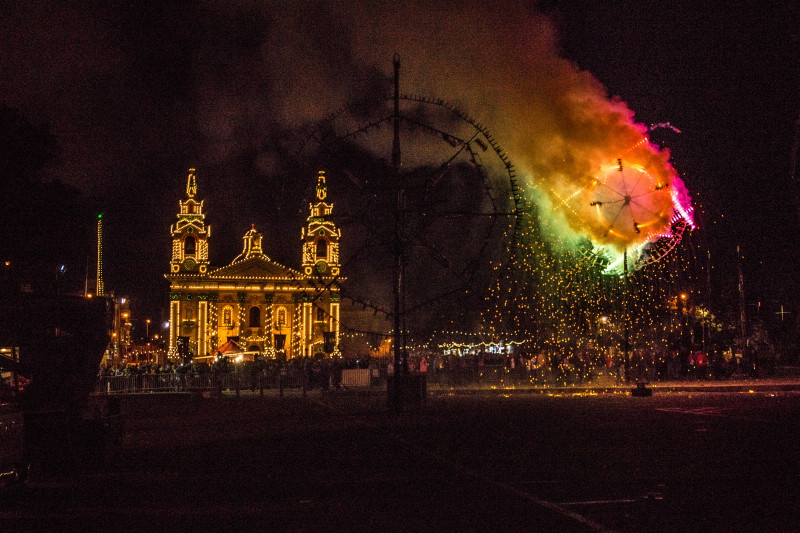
x: 227, y: 316
x: 320, y: 314
x: 189, y: 245
x: 255, y: 317
x: 188, y: 314
x: 322, y: 248
x: 281, y: 317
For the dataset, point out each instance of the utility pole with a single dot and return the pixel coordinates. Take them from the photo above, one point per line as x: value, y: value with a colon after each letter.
x: 742, y: 308
x: 399, y: 340
x: 626, y: 318
x: 707, y: 318
x: 794, y: 180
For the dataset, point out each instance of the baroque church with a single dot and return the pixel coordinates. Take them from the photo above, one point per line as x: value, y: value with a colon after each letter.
x: 254, y: 302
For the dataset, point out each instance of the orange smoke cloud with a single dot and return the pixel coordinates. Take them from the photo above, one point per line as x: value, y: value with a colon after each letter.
x: 498, y: 61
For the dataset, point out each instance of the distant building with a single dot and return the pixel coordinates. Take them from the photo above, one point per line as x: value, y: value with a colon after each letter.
x: 259, y: 304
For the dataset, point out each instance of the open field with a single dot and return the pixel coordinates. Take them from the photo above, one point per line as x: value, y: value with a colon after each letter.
x: 677, y: 461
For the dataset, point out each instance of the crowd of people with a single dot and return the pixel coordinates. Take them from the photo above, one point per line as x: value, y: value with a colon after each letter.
x: 548, y: 367
x: 316, y: 372
x: 541, y: 368
x: 580, y: 367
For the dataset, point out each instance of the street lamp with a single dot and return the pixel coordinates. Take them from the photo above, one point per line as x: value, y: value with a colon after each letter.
x: 147, y: 328
x: 685, y: 341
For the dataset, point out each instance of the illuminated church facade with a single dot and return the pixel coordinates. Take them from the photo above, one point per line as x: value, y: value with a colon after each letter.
x: 259, y: 304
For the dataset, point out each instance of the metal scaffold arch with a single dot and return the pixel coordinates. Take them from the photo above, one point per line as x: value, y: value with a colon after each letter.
x: 425, y: 192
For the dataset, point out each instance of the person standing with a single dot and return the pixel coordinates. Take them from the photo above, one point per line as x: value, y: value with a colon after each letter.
x: 701, y: 361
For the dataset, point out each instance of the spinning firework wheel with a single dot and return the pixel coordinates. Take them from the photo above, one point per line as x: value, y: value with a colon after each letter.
x: 634, y: 208
x: 458, y: 215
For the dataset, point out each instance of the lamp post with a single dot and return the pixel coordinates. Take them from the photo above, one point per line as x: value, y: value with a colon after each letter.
x: 685, y: 323
x: 147, y: 328
x: 602, y: 340
x: 124, y: 333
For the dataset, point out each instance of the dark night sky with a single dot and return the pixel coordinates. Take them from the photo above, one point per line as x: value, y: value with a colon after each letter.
x: 134, y: 93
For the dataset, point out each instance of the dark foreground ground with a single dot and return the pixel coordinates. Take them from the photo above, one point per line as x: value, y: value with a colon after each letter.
x: 677, y: 461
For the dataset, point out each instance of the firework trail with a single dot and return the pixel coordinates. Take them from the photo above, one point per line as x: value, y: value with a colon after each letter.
x: 665, y: 125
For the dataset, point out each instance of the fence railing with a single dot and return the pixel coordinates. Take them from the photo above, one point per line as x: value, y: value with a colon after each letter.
x: 295, y: 377
x: 188, y: 382
x: 320, y: 376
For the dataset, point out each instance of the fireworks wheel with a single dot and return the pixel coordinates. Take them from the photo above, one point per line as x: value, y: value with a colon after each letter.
x: 632, y: 206
x: 461, y: 212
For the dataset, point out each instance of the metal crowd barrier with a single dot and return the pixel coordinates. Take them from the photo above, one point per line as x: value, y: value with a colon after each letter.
x: 188, y: 382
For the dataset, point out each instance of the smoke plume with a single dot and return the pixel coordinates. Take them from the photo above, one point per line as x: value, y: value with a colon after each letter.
x: 499, y: 61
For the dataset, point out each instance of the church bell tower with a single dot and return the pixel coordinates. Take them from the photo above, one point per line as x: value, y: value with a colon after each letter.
x: 321, y: 236
x: 190, y: 234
